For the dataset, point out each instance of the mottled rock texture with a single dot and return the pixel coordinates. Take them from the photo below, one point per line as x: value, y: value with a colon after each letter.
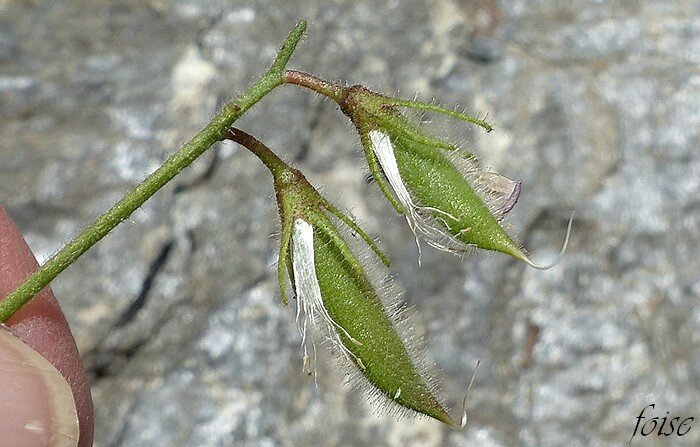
x: 597, y: 108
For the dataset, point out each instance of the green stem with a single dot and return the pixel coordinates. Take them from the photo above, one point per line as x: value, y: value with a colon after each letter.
x: 213, y: 132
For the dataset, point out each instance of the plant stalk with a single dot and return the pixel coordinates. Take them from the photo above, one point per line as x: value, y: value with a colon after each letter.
x: 329, y: 89
x: 213, y: 132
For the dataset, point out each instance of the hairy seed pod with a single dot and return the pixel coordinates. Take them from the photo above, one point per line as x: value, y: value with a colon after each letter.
x: 337, y: 299
x: 448, y: 199
x: 356, y: 319
x: 439, y: 201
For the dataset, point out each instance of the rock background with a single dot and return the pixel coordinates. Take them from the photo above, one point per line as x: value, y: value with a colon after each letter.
x: 597, y: 108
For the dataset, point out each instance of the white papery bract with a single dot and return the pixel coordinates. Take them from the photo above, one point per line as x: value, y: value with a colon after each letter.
x: 310, y: 307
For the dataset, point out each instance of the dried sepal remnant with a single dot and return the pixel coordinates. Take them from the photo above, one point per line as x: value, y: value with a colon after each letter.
x: 500, y: 193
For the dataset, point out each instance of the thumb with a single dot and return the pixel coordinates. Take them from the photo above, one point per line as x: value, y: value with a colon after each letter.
x: 41, y: 324
x: 36, y: 402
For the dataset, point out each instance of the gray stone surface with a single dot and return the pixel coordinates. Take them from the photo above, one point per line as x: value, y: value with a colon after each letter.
x: 597, y: 108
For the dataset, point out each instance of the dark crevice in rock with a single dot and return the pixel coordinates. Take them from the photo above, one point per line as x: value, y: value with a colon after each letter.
x: 109, y: 362
x: 141, y: 299
x: 102, y: 361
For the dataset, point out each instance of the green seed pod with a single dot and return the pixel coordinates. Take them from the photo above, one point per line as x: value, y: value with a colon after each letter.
x: 447, y: 198
x: 337, y: 299
x: 440, y: 203
x: 333, y: 289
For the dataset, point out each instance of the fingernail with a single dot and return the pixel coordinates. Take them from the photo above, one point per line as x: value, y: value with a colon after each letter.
x: 36, y: 402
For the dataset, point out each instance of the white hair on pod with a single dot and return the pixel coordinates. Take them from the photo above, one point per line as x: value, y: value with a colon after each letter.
x: 419, y: 217
x: 310, y: 308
